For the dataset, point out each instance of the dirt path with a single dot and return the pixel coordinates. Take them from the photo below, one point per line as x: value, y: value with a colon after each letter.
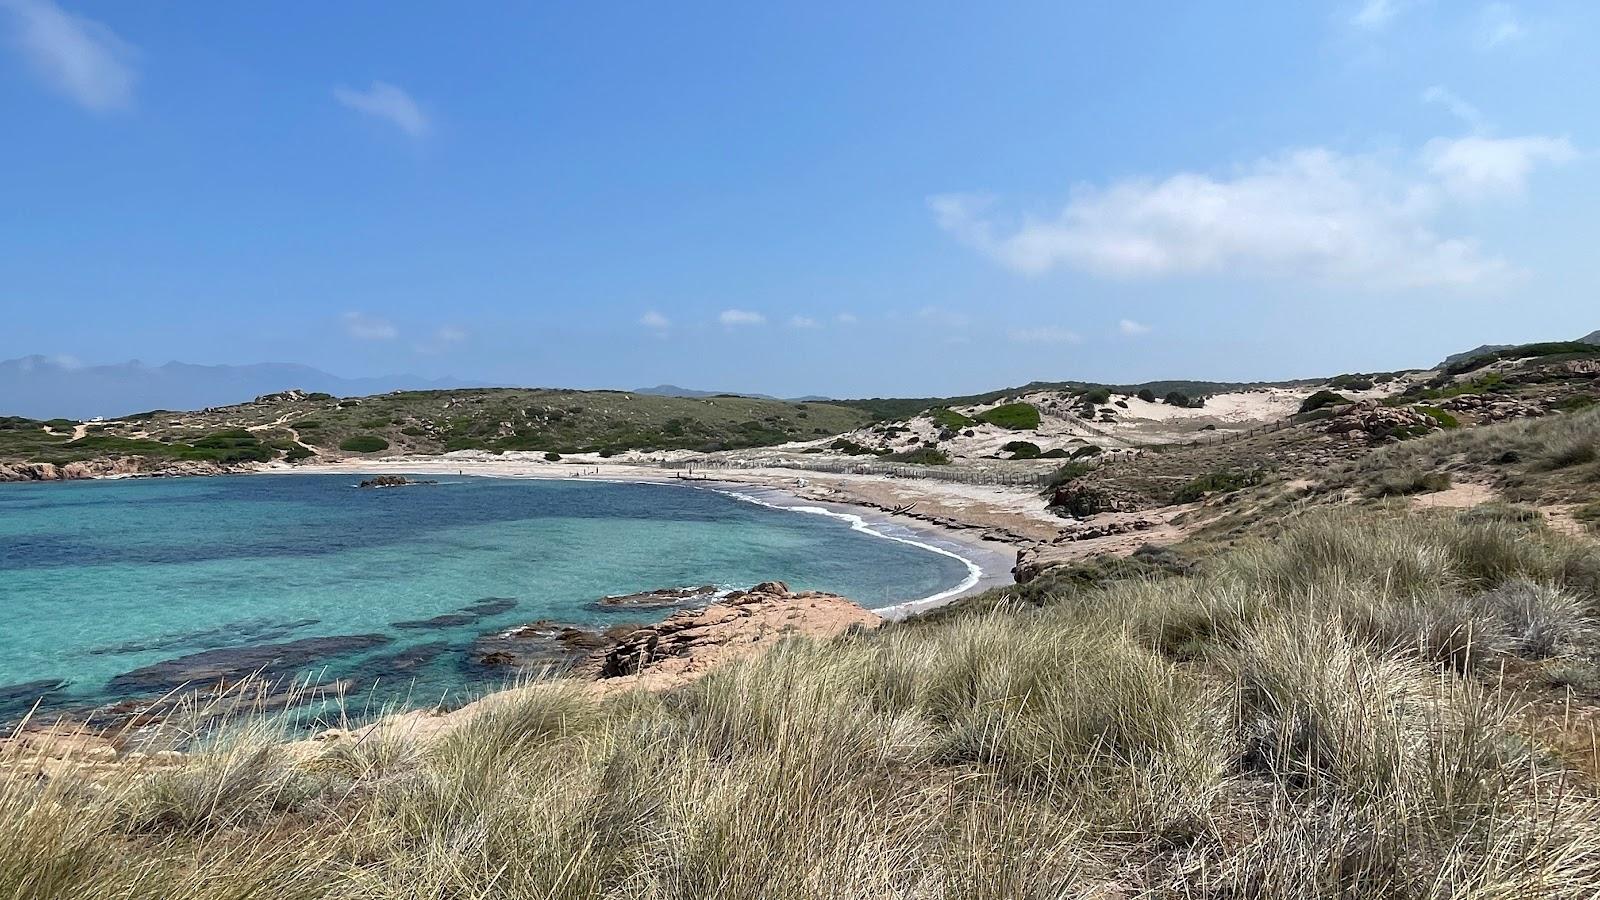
x: 1459, y: 496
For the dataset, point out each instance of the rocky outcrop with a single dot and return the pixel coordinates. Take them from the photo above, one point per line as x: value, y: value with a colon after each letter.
x: 541, y: 646
x: 387, y: 481
x: 688, y: 643
x: 1490, y: 408
x: 119, y: 466
x: 1372, y: 422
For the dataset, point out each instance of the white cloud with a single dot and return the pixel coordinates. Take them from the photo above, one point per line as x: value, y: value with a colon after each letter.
x: 1476, y: 167
x: 79, y: 57
x: 363, y: 327
x: 845, y: 318
x: 1375, y: 15
x: 1456, y: 106
x: 1130, y: 327
x: 944, y: 318
x: 656, y: 322
x: 385, y: 101
x: 802, y: 322
x: 1312, y: 214
x: 443, y: 338
x: 736, y: 317
x: 1499, y: 24
x: 1045, y: 334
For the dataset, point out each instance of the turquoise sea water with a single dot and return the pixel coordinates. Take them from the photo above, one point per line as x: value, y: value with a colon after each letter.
x: 101, y: 578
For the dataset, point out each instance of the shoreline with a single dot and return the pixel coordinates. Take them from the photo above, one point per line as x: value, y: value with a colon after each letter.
x: 989, y: 561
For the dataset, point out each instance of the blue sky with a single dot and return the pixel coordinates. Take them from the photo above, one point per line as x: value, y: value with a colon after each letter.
x: 843, y: 199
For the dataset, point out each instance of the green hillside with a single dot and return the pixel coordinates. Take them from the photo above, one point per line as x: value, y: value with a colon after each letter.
x: 494, y: 419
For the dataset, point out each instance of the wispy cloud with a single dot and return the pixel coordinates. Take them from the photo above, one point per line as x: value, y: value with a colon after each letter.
x: 945, y: 318
x: 389, y: 103
x: 656, y: 323
x: 1045, y: 334
x: 1315, y: 213
x: 1456, y: 106
x: 1131, y: 328
x: 845, y: 318
x: 802, y: 322
x: 363, y: 327
x: 1477, y: 167
x: 1375, y: 15
x: 443, y: 339
x: 76, y: 56
x: 1498, y: 24
x: 734, y: 318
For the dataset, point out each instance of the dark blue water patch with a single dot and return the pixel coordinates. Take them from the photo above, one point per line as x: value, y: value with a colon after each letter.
x: 330, y: 516
x: 253, y: 631
x: 17, y: 700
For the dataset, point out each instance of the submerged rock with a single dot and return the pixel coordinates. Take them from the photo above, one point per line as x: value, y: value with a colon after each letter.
x: 17, y: 699
x: 663, y: 597
x: 228, y: 665
x: 472, y: 612
x: 542, y: 645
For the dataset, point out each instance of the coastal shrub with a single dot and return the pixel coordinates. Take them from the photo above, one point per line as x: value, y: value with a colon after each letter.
x: 926, y: 456
x: 1179, y: 398
x: 363, y: 443
x: 1589, y: 515
x: 298, y: 452
x: 552, y: 457
x: 1321, y: 399
x: 1087, y: 451
x: 847, y: 446
x: 1055, y: 453
x: 1146, y: 395
x: 1021, y: 449
x: 1098, y: 396
x: 1565, y: 451
x: 1012, y: 416
x: 945, y: 417
x: 1444, y: 419
x: 1351, y: 382
x: 1069, y: 472
x: 1218, y: 482
x: 1403, y: 482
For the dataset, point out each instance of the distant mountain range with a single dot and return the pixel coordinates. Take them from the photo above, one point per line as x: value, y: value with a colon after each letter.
x: 672, y: 390
x: 41, y: 387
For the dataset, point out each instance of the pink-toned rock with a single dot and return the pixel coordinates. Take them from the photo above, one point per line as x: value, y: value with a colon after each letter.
x: 688, y: 643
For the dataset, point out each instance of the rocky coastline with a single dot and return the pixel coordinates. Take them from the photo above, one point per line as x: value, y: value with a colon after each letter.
x: 115, y: 467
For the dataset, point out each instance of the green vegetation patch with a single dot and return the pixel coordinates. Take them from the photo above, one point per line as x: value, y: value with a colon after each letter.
x: 949, y: 418
x: 1321, y: 399
x: 1218, y: 483
x: 1444, y: 419
x: 363, y: 443
x: 1021, y: 449
x: 1012, y: 416
x: 922, y: 456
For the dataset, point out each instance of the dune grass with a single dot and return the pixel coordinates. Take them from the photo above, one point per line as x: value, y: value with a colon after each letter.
x: 1319, y: 715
